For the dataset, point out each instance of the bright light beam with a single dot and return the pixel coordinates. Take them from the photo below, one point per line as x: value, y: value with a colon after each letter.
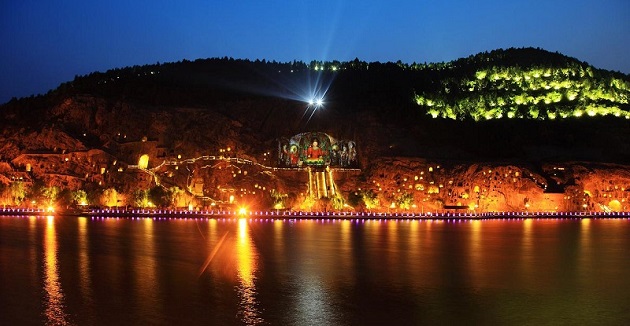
x: 316, y: 102
x: 212, y: 254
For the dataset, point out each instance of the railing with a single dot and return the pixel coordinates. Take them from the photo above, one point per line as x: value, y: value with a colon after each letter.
x: 217, y: 213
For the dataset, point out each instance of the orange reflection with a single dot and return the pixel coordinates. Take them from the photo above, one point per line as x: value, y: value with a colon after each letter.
x: 476, y: 254
x: 212, y: 231
x: 414, y: 239
x: 345, y: 250
x: 84, y: 262
x: 246, y: 260
x: 413, y: 251
x: 52, y: 287
x: 146, y: 267
x: 278, y: 237
x: 392, y: 250
x: 33, y: 254
x: 528, y: 254
x: 586, y: 248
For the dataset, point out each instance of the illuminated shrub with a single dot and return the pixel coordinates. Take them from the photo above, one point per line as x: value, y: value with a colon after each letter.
x: 542, y: 92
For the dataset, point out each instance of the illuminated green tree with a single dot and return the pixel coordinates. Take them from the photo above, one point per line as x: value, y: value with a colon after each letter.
x: 141, y: 198
x: 50, y: 194
x: 110, y: 197
x: 538, y: 90
x: 17, y: 191
x: 370, y: 199
x: 338, y: 203
x: 404, y: 200
x: 80, y: 197
x: 278, y: 199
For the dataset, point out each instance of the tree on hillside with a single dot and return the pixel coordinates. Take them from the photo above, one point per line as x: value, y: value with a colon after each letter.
x: 50, y: 194
x: 338, y: 203
x: 278, y: 199
x: 141, y: 198
x: 17, y: 191
x: 404, y: 200
x: 79, y: 197
x: 110, y: 197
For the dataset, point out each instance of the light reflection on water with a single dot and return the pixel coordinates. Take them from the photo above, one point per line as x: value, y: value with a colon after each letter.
x: 54, y: 302
x: 146, y: 269
x: 526, y: 263
x: 229, y: 271
x: 85, y: 281
x: 246, y: 267
x: 475, y: 253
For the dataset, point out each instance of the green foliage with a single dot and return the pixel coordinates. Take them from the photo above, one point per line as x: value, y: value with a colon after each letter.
x: 538, y: 91
x: 370, y: 199
x: 404, y: 200
x: 279, y: 199
x: 308, y: 203
x: 50, y: 194
x: 80, y: 197
x: 17, y: 191
x: 141, y: 198
x: 338, y: 203
x: 156, y: 196
x: 488, y: 85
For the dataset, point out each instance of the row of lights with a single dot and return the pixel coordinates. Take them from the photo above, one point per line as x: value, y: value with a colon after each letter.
x: 244, y: 212
x: 352, y: 220
x: 335, y: 220
x: 23, y: 210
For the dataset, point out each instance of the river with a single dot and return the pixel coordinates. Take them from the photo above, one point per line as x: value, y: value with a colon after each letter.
x: 108, y: 271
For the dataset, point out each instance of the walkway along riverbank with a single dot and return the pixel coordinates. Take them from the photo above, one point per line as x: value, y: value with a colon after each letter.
x: 167, y: 213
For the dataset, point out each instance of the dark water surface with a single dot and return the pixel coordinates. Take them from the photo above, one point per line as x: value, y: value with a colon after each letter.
x: 84, y: 271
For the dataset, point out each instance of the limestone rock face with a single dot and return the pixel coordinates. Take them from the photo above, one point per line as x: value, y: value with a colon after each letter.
x: 226, y: 154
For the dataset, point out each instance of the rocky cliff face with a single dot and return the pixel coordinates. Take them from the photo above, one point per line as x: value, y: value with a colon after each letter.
x: 573, y: 186
x: 227, y: 155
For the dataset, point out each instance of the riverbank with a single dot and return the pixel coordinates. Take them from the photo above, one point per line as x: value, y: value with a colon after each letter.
x: 166, y: 213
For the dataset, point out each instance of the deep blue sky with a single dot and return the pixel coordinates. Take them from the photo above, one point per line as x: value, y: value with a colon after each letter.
x: 45, y: 43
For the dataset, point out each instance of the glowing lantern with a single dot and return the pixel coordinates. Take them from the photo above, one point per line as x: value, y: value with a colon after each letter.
x: 614, y: 205
x: 143, y: 162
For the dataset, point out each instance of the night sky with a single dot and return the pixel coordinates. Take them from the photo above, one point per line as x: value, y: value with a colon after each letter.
x: 45, y: 43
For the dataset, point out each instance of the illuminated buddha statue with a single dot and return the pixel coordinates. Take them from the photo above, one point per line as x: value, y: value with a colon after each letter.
x: 314, y: 152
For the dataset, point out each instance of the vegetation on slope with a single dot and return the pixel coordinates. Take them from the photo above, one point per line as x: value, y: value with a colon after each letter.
x: 514, y: 83
x: 494, y: 85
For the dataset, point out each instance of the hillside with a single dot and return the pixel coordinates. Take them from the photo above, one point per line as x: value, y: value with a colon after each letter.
x: 525, y: 108
x: 511, y: 84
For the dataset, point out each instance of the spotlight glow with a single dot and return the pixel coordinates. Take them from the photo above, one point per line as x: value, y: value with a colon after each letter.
x: 316, y: 102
